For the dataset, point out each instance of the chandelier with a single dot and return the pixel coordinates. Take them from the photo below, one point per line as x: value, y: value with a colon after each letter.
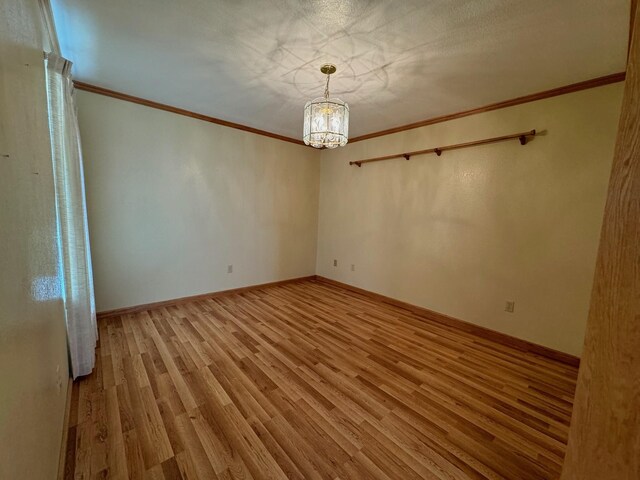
x: 326, y: 120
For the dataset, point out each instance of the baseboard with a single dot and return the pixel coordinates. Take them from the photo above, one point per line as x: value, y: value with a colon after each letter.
x: 192, y: 298
x: 65, y: 432
x: 484, y: 332
x: 503, y: 338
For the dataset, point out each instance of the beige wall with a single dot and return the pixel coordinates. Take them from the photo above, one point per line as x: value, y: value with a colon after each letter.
x: 33, y: 351
x: 463, y: 233
x: 172, y: 201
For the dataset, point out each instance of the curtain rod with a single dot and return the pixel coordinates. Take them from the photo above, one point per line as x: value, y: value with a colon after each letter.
x: 438, y: 150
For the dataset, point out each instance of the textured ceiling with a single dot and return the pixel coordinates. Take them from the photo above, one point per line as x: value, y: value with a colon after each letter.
x: 256, y: 62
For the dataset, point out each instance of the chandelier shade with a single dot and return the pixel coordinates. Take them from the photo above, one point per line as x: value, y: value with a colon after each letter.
x: 326, y: 120
x: 326, y: 123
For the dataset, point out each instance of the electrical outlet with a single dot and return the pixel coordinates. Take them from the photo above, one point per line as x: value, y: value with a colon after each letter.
x: 229, y: 268
x: 335, y: 263
x: 509, y: 306
x: 353, y: 267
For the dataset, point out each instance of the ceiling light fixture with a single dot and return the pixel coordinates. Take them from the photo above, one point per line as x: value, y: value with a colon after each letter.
x: 326, y: 120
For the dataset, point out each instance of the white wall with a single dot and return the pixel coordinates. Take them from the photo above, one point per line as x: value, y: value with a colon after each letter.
x: 172, y: 201
x: 32, y: 329
x: 462, y: 233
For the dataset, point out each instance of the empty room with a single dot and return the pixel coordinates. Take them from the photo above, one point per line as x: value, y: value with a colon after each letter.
x: 319, y: 239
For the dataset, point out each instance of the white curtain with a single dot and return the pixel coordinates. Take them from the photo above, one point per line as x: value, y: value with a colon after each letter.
x: 73, y: 234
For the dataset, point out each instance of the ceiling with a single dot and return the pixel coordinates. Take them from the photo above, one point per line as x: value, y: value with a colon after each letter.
x: 256, y: 62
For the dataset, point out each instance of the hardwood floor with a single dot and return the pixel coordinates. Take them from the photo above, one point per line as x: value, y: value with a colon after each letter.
x: 311, y: 381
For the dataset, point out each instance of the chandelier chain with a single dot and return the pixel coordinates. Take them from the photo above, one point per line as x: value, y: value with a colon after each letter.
x: 326, y: 88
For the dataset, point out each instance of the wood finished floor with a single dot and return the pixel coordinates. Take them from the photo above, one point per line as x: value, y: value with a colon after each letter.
x: 310, y: 381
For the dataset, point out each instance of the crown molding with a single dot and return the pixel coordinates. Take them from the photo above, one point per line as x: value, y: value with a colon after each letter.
x: 87, y: 87
x: 574, y: 87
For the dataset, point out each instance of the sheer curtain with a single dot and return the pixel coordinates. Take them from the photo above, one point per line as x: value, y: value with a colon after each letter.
x: 73, y: 234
